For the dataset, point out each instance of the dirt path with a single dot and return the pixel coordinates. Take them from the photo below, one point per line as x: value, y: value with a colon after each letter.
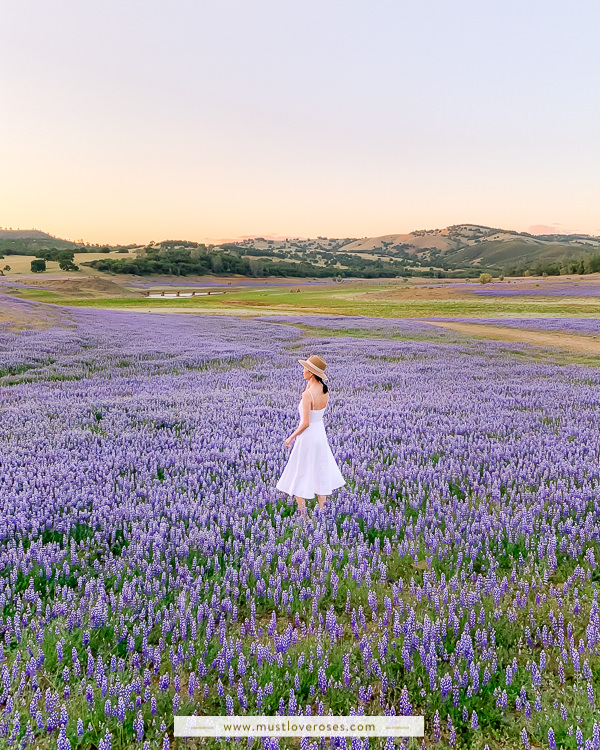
x: 571, y: 341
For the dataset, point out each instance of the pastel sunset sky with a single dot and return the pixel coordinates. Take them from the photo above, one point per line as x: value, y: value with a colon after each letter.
x: 130, y: 121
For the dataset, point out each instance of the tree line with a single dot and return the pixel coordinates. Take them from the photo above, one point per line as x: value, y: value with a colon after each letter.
x: 183, y: 261
x: 177, y: 258
x: 590, y: 264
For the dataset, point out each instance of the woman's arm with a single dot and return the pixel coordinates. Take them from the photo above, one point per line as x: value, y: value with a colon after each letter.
x: 304, y: 421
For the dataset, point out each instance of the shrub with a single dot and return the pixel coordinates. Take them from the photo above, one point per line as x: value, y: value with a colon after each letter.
x: 485, y: 278
x: 37, y: 266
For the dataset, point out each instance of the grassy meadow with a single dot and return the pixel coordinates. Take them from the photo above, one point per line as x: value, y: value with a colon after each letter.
x: 385, y: 299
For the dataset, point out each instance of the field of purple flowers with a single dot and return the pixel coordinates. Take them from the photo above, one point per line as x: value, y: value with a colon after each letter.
x: 547, y: 287
x: 150, y: 568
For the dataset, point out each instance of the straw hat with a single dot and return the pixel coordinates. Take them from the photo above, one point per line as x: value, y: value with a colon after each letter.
x: 316, y: 365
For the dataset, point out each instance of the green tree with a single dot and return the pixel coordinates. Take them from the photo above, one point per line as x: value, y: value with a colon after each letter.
x: 257, y: 267
x: 216, y: 263
x: 38, y: 266
x: 67, y: 265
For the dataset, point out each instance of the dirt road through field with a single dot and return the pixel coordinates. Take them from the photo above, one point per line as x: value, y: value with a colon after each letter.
x: 571, y: 341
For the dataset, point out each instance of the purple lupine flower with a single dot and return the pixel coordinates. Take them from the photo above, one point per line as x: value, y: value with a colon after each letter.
x: 590, y: 695
x: 138, y: 726
x: 89, y: 695
x: 322, y: 680
x: 551, y: 739
x: 437, y: 729
x: 372, y: 601
x: 563, y: 712
x: 525, y: 739
x: 445, y: 685
x: 452, y: 736
x: 63, y: 743
x: 474, y: 720
x: 405, y: 704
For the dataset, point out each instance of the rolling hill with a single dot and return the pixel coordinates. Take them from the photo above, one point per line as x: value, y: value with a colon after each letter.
x: 468, y: 248
x: 472, y: 245
x: 28, y: 241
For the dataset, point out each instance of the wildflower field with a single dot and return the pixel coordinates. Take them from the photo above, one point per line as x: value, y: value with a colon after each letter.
x: 150, y: 568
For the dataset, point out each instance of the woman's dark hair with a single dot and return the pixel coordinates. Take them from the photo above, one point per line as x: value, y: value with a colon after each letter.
x: 325, y: 388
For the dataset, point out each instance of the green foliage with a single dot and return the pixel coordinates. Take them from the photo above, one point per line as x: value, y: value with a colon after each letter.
x: 183, y: 261
x: 485, y: 278
x: 568, y: 265
x: 23, y: 246
x: 67, y: 265
x: 38, y: 266
x: 56, y: 254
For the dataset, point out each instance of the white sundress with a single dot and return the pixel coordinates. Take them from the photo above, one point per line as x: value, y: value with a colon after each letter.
x: 311, y: 468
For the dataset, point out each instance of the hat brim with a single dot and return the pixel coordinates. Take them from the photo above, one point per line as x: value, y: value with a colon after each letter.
x: 313, y: 369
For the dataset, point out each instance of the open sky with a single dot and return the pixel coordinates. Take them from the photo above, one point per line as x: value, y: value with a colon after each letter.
x: 137, y: 120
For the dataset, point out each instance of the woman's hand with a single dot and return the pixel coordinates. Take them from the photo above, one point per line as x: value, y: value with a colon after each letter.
x: 288, y: 441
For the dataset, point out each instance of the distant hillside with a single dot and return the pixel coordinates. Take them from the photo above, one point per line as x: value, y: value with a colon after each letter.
x: 25, y: 234
x: 29, y: 241
x: 474, y: 246
x: 466, y: 248
x: 455, y: 251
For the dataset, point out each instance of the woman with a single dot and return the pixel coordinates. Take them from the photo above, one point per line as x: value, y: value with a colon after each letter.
x: 311, y: 468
